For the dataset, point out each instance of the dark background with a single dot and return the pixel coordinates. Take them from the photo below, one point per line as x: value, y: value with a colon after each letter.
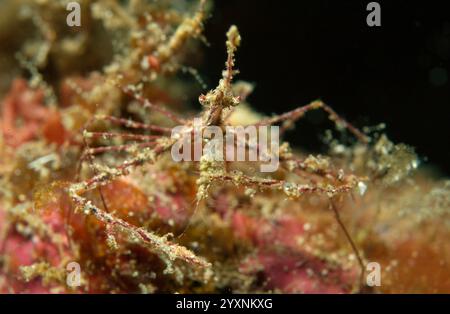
x: 298, y: 51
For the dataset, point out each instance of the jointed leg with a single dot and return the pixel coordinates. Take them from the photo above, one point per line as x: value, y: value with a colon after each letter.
x: 296, y: 114
x: 350, y: 240
x: 131, y: 124
x: 108, y: 135
x: 124, y: 136
x: 169, y: 251
x: 148, y: 105
x: 296, y: 191
x: 116, y: 148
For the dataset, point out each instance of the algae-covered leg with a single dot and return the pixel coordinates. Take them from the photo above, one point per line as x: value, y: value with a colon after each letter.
x: 294, y: 115
x: 166, y: 249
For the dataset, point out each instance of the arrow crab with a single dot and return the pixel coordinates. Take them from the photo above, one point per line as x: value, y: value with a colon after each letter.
x: 218, y: 105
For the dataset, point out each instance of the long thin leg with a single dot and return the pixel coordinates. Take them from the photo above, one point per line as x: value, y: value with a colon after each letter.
x: 116, y: 148
x: 120, y: 122
x: 160, y: 245
x: 91, y: 162
x: 297, y: 191
x: 292, y: 190
x: 133, y: 124
x: 124, y: 136
x: 296, y: 114
x: 148, y: 105
x: 350, y: 240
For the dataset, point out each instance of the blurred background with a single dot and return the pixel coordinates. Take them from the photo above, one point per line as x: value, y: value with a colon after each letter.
x: 298, y: 51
